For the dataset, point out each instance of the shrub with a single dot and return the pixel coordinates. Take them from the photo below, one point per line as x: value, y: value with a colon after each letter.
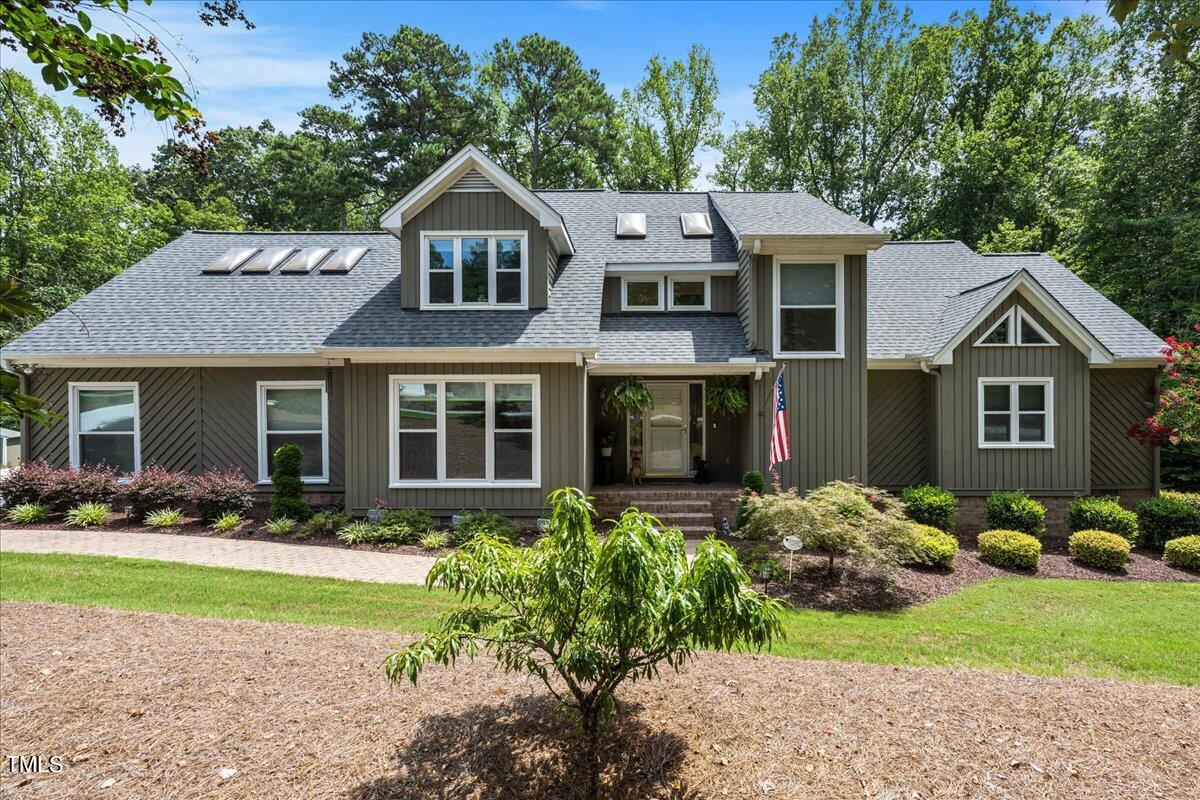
x: 753, y: 483
x: 930, y: 505
x: 1183, y: 552
x: 325, y: 521
x: 281, y: 526
x: 1162, y: 519
x: 86, y: 515
x: 358, y: 533
x: 288, y: 498
x: 27, y: 513
x: 1010, y: 549
x: 762, y: 563
x: 228, y: 522
x: 416, y: 522
x: 435, y: 541
x: 164, y: 518
x: 155, y: 488
x: 1187, y: 497
x: 933, y: 546
x: 220, y: 491
x: 1015, y: 511
x: 87, y: 484
x: 483, y: 523
x: 1098, y: 548
x: 393, y: 535
x: 28, y: 483
x: 1102, y: 514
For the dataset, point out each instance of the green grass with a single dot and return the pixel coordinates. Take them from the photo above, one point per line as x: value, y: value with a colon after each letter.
x: 1140, y: 631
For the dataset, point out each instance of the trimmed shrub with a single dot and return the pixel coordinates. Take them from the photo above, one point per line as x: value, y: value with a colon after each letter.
x: 27, y: 513
x: 288, y: 498
x: 1015, y: 511
x: 408, y: 524
x: 220, y: 491
x: 753, y: 483
x: 930, y: 505
x: 227, y: 522
x: 1183, y: 552
x: 1010, y: 549
x: 932, y: 546
x: 28, y: 483
x: 1187, y: 497
x: 85, y: 515
x: 164, y: 518
x: 393, y: 535
x: 1102, y: 549
x: 358, y: 533
x: 435, y: 541
x: 155, y: 488
x: 88, y: 484
x: 1102, y: 514
x: 1162, y: 519
x: 282, y: 526
x: 485, y: 523
x: 325, y: 521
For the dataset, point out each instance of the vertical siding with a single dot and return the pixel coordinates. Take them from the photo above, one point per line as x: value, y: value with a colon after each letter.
x: 368, y: 438
x: 898, y: 430
x: 745, y: 300
x: 964, y: 466
x: 764, y: 297
x: 472, y: 211
x: 1120, y: 397
x: 723, y: 295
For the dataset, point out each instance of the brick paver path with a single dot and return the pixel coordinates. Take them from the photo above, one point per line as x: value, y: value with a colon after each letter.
x: 296, y: 559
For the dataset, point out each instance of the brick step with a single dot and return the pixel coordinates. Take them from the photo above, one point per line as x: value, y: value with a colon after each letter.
x: 659, y: 506
x: 642, y: 496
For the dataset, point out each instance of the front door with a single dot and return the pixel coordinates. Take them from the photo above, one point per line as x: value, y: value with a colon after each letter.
x: 666, y: 434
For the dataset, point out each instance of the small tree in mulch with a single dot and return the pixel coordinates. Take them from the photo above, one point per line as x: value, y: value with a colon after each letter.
x: 585, y: 616
x: 288, y: 499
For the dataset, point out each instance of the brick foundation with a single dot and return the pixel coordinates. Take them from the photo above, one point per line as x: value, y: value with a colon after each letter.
x: 969, y: 519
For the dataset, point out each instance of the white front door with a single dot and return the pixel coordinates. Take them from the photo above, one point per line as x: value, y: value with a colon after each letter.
x: 666, y: 430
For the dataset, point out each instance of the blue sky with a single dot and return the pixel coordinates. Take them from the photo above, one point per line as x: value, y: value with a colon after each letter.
x: 241, y: 77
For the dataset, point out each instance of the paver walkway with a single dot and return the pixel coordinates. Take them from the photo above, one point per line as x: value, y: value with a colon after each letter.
x: 295, y: 559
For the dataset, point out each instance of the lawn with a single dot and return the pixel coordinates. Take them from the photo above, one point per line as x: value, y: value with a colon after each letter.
x: 1141, y: 631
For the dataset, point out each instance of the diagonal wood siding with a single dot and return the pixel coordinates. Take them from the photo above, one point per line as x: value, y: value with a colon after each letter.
x: 898, y: 427
x: 1119, y: 398
x: 745, y: 300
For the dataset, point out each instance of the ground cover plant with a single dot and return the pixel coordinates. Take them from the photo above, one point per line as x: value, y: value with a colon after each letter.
x: 27, y: 513
x: 164, y: 518
x: 1015, y: 511
x: 1010, y: 549
x: 1102, y: 514
x: 280, y: 526
x: 435, y: 540
x: 930, y: 505
x: 1100, y: 549
x: 87, y: 515
x: 358, y: 533
x: 227, y: 522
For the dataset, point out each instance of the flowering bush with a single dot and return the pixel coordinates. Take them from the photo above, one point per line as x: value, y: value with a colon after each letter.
x: 155, y: 489
x: 1177, y: 416
x: 220, y: 491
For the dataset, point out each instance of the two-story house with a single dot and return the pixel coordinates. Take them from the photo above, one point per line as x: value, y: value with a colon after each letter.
x: 457, y: 357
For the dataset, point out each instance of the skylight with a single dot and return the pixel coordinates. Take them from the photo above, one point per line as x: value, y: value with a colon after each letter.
x: 696, y: 224
x: 267, y: 260
x: 631, y: 225
x: 227, y: 263
x: 306, y: 260
x: 344, y: 259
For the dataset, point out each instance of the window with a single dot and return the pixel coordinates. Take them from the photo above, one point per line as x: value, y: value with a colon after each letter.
x: 464, y: 431
x: 474, y: 270
x: 104, y: 425
x: 689, y: 294
x: 294, y: 412
x: 631, y: 225
x: 1016, y: 412
x: 809, y: 305
x: 1015, y: 327
x: 696, y: 224
x: 641, y: 294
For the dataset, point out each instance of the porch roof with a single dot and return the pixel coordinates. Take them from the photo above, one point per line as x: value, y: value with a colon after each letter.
x: 706, y: 341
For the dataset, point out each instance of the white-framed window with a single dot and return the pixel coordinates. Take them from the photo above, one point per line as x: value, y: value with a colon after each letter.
x: 1015, y: 328
x: 474, y: 269
x: 294, y: 412
x: 1016, y: 412
x: 105, y: 425
x: 464, y: 430
x: 809, y: 307
x: 689, y: 293
x: 640, y: 293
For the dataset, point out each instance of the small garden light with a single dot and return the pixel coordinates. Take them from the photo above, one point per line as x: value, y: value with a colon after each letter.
x: 128, y: 513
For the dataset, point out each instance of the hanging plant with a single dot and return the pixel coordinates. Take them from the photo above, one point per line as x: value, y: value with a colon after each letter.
x: 627, y: 396
x: 726, y: 397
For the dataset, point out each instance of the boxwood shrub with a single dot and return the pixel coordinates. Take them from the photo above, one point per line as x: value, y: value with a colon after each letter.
x: 1102, y: 514
x: 1101, y: 549
x: 1183, y: 552
x: 1010, y: 549
x: 1161, y: 519
x: 1015, y: 511
x: 288, y: 498
x: 931, y: 505
x: 933, y: 546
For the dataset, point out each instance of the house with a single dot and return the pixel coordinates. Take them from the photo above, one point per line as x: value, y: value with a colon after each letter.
x: 10, y: 449
x: 458, y: 356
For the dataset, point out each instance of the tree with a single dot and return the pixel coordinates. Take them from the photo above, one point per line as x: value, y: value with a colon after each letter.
x: 670, y: 117
x: 549, y: 116
x: 14, y: 404
x: 1177, y: 33
x: 584, y: 616
x: 741, y: 166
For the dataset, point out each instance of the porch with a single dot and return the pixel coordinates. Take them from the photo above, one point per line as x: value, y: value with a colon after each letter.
x: 696, y: 509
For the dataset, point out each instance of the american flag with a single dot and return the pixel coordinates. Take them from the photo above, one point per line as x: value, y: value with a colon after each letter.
x: 780, y: 448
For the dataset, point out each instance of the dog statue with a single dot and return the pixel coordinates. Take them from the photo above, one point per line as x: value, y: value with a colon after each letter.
x: 635, y: 472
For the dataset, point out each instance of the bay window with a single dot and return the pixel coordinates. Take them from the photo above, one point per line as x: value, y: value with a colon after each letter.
x: 294, y: 412
x: 809, y: 307
x: 464, y: 431
x: 1016, y: 412
x: 474, y: 270
x: 104, y: 426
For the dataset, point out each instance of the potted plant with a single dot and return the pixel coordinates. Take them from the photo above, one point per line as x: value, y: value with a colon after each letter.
x: 608, y: 439
x: 726, y: 397
x: 628, y: 395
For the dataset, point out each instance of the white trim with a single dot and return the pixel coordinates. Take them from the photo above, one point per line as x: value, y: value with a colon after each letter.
x: 1017, y: 318
x: 73, y: 388
x: 139, y: 360
x: 264, y: 457
x: 1023, y: 319
x: 660, y: 368
x: 701, y: 267
x: 839, y: 263
x: 1014, y: 413
x: 687, y: 415
x: 705, y: 279
x: 441, y: 482
x: 656, y: 279
x: 1009, y: 318
x: 459, y: 355
x: 457, y: 236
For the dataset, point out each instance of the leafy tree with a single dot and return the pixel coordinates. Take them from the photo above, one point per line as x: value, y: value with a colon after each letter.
x: 14, y: 404
x: 741, y: 167
x: 549, y: 116
x: 1177, y: 33
x: 584, y: 616
x: 671, y: 116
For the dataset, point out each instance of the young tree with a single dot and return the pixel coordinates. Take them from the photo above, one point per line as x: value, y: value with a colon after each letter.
x: 584, y: 616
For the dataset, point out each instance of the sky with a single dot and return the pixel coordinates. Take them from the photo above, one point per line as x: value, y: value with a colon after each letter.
x: 242, y: 77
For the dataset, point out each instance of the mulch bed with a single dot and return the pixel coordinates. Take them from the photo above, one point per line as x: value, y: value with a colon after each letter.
x: 160, y: 705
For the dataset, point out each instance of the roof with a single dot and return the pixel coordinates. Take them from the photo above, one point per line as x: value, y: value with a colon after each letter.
x: 9, y: 433
x: 763, y: 214
x: 920, y: 294
x: 672, y: 339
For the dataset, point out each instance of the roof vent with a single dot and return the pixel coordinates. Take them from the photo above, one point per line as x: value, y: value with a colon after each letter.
x: 696, y: 224
x: 631, y: 225
x: 344, y: 259
x: 267, y: 260
x: 227, y: 263
x: 306, y: 260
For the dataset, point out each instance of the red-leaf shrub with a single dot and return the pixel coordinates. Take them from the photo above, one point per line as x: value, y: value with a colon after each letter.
x: 155, y: 488
x: 219, y: 491
x: 87, y: 484
x: 29, y: 483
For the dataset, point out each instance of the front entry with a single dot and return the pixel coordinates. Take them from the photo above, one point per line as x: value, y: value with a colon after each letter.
x: 666, y: 435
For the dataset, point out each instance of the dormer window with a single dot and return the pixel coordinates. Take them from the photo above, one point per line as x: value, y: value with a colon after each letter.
x: 631, y: 225
x: 1015, y: 328
x: 696, y: 224
x: 474, y: 270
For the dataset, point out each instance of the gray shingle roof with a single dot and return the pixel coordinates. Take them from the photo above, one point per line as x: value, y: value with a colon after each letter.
x: 672, y: 339
x: 785, y: 214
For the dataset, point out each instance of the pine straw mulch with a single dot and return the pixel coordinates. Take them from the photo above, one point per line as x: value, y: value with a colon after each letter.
x: 160, y: 705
